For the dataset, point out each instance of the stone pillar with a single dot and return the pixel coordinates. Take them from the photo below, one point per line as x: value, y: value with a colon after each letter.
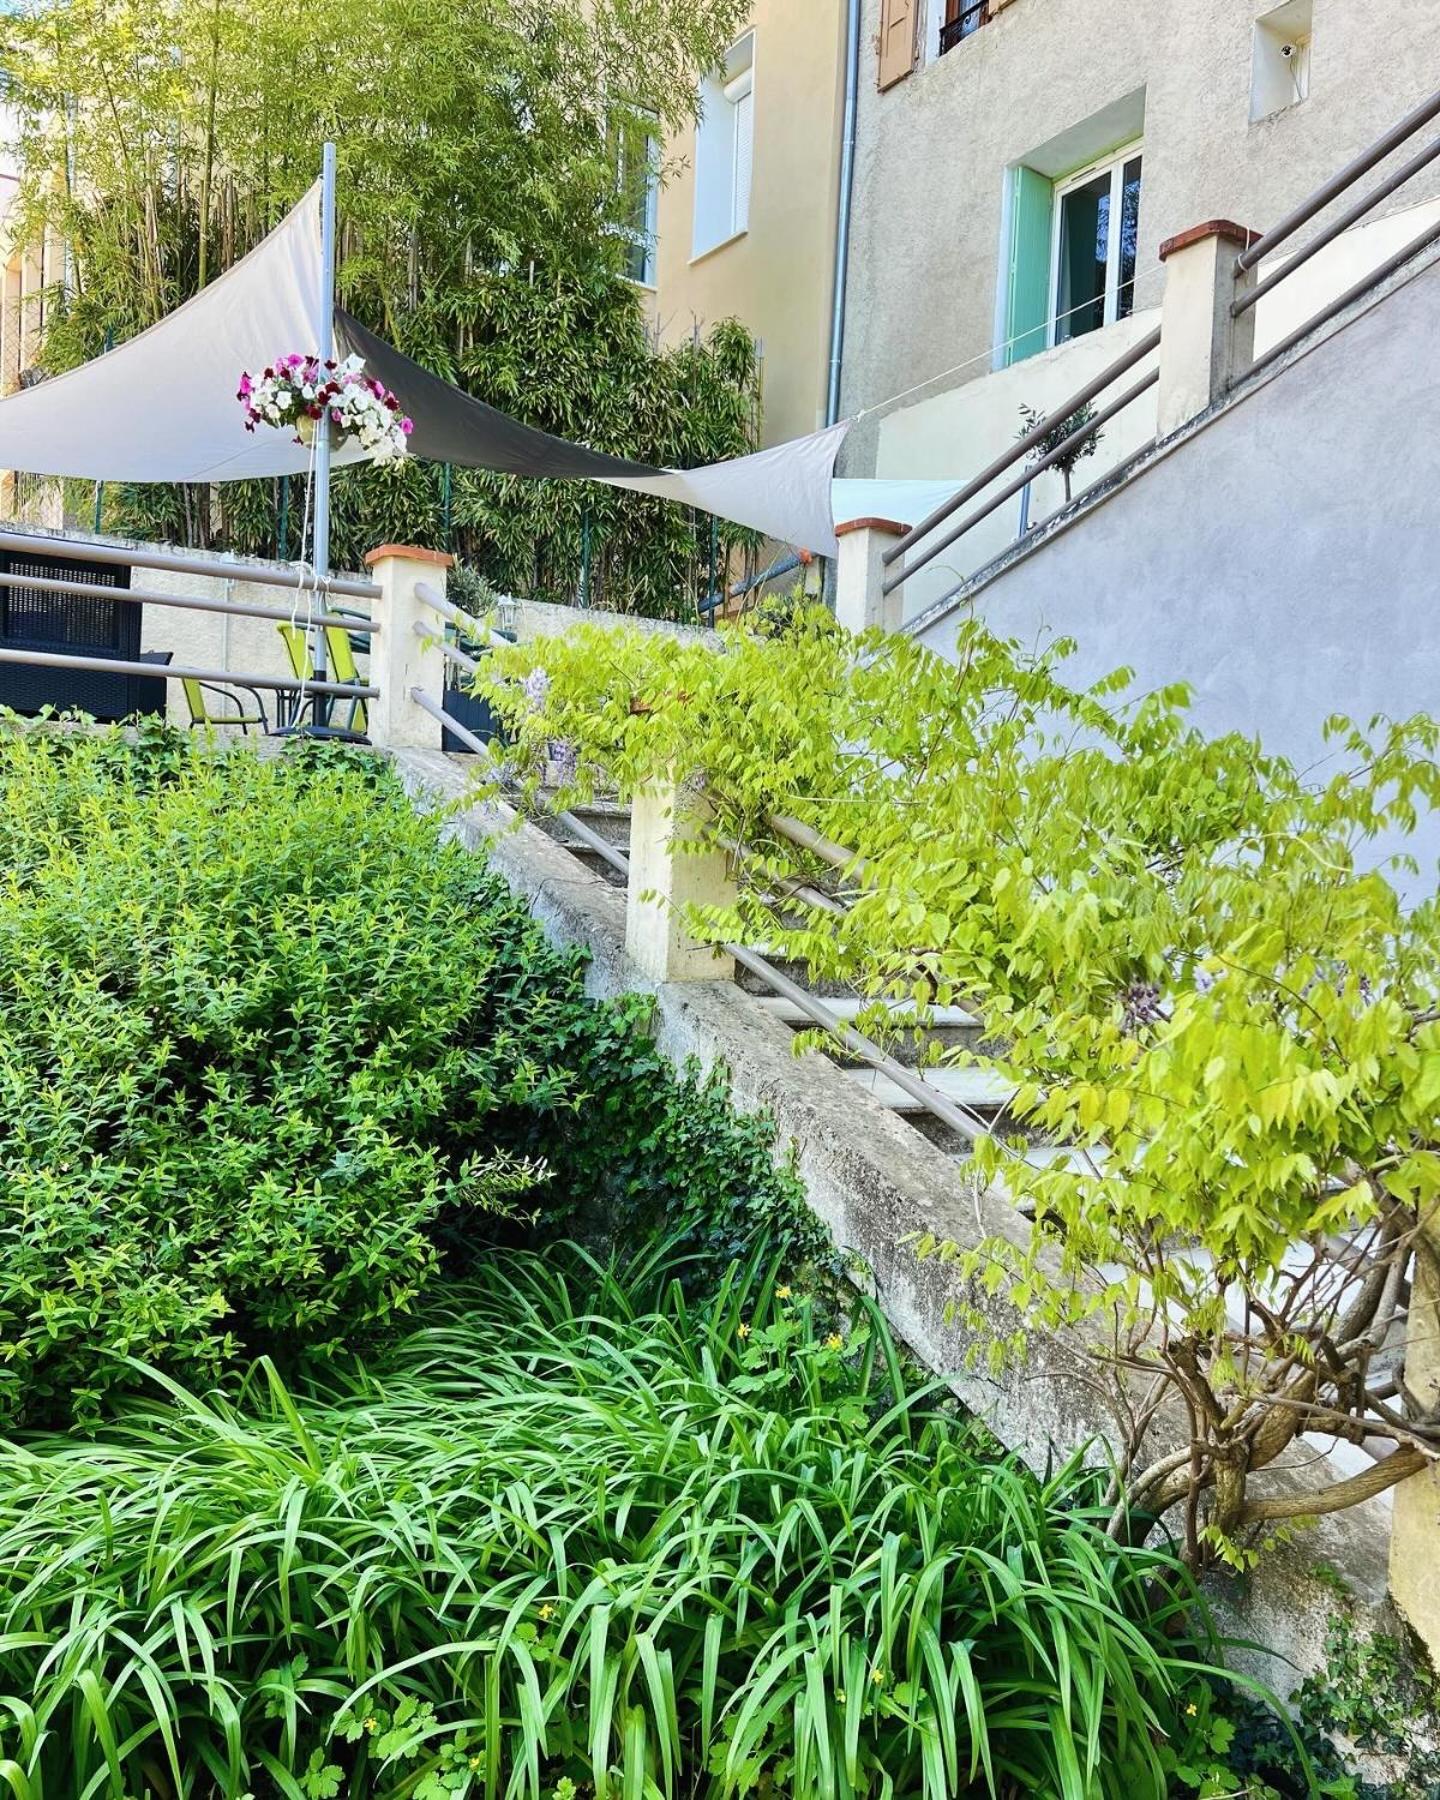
x: 1204, y: 348
x: 664, y: 880
x: 860, y: 600
x: 399, y: 659
x: 1415, y: 1523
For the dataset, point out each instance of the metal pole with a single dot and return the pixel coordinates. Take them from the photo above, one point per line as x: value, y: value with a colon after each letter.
x: 446, y: 503
x: 585, y: 558
x: 853, y: 33
x: 109, y: 346
x: 327, y: 350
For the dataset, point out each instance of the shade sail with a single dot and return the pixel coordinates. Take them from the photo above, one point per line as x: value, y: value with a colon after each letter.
x: 784, y: 492
x: 163, y: 407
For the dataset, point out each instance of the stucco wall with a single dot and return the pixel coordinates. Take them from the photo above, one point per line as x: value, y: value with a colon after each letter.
x: 961, y: 430
x: 932, y: 154
x: 1282, y: 558
x: 776, y: 277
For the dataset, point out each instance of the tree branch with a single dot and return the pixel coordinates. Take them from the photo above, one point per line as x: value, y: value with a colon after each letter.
x: 1397, y: 1467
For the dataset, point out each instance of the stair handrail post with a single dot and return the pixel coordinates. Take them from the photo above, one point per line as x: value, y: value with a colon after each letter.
x: 673, y: 868
x: 401, y: 658
x: 861, y: 602
x: 1204, y: 346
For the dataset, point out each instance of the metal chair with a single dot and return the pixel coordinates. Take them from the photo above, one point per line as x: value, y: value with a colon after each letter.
x: 340, y: 654
x: 200, y: 713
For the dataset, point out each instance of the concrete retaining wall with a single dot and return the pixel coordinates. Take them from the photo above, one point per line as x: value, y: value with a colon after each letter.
x: 877, y: 1183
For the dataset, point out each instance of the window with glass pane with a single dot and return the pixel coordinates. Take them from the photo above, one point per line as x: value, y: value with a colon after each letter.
x: 1097, y: 217
x: 637, y: 183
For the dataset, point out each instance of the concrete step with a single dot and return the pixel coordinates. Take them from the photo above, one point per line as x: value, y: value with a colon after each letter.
x: 980, y: 1088
x: 606, y: 820
x: 798, y: 973
x: 945, y: 1025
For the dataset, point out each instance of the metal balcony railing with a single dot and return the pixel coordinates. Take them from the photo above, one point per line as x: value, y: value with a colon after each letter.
x: 963, y: 18
x: 1316, y: 203
x: 314, y: 609
x: 1017, y: 453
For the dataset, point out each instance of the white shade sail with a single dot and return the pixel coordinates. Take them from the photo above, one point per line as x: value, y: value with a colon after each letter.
x: 163, y: 407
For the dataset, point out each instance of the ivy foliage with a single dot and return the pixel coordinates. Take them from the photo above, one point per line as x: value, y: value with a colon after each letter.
x: 272, y: 1054
x: 1195, y: 965
x: 483, y: 229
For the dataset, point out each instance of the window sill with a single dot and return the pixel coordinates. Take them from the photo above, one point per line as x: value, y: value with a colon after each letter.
x: 715, y: 249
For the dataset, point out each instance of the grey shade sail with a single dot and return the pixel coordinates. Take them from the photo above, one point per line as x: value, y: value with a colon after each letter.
x: 453, y: 427
x: 783, y: 492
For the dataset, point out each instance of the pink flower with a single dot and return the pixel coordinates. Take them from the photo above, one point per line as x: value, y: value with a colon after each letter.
x: 407, y: 426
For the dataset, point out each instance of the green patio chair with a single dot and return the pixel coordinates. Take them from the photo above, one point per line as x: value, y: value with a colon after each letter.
x: 340, y: 656
x: 202, y: 713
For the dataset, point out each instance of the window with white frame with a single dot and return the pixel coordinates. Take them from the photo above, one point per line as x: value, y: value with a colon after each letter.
x: 725, y: 148
x: 635, y: 142
x: 1093, y: 240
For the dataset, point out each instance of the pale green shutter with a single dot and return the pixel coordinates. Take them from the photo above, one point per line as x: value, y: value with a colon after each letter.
x: 1031, y: 207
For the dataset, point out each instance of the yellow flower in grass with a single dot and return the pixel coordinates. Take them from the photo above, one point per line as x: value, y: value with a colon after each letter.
x: 547, y: 1612
x: 1191, y: 1709
x: 372, y: 1723
x: 834, y: 1341
x: 878, y: 1677
x: 742, y: 1331
x: 782, y: 1292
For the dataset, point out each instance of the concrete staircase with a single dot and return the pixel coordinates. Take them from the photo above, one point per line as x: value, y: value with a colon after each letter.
x: 979, y: 1088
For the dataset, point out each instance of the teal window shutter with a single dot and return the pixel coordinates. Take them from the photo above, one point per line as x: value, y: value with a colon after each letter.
x: 1031, y: 209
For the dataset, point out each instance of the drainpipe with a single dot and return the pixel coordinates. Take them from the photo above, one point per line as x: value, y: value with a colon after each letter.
x: 842, y: 222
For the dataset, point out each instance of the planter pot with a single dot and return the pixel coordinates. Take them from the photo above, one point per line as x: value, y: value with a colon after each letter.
x: 306, y: 428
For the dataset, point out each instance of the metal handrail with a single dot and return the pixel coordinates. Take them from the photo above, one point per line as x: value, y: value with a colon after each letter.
x: 1337, y: 184
x: 591, y: 839
x: 451, y: 652
x: 1025, y: 477
x: 463, y: 621
x: 959, y: 1119
x: 1351, y: 216
x: 110, y: 665
x: 142, y: 556
x: 88, y: 590
x: 1357, y: 290
x: 1022, y: 446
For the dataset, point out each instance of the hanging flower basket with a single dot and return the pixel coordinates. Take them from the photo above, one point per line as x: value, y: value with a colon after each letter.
x: 300, y: 393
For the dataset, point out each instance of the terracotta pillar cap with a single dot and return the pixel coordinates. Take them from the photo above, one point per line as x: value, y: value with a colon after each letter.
x: 1221, y: 228
x: 412, y: 554
x: 891, y: 527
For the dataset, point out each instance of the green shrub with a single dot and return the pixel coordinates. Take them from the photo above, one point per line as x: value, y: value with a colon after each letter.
x: 267, y: 1047
x: 575, y: 1533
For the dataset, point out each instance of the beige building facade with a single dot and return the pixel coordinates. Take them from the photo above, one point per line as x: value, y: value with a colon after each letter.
x: 742, y: 219
x: 27, y: 272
